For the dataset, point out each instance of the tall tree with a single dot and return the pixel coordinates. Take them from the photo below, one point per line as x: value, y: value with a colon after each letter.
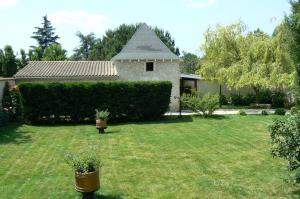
x: 45, y: 35
x: 114, y: 40
x: 55, y: 53
x: 9, y: 64
x: 1, y: 62
x: 83, y: 51
x: 239, y: 59
x: 190, y: 63
x: 23, y: 60
x: 293, y: 25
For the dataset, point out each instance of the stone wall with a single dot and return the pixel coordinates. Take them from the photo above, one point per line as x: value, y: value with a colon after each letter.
x: 163, y: 71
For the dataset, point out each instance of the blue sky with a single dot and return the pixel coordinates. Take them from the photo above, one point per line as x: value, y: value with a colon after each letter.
x: 186, y: 20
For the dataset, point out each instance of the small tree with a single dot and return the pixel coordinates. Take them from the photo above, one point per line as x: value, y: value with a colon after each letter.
x: 205, y: 105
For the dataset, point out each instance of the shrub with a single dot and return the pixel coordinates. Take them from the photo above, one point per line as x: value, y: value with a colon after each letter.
x: 280, y: 111
x: 294, y: 110
x: 264, y: 97
x: 11, y: 103
x: 102, y: 115
x: 84, y: 162
x: 77, y: 101
x: 242, y: 112
x: 264, y: 112
x: 236, y: 99
x: 239, y: 100
x: 3, y: 118
x: 223, y: 100
x: 279, y: 99
x: 206, y: 105
x: 249, y: 99
x: 285, y: 136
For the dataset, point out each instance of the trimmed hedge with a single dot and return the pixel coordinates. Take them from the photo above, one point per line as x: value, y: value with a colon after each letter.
x: 77, y: 101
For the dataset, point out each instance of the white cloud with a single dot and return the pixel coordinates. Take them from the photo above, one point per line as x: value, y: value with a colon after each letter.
x: 7, y: 3
x: 200, y: 3
x: 85, y: 22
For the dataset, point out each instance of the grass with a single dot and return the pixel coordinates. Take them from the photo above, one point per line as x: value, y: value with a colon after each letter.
x: 189, y: 157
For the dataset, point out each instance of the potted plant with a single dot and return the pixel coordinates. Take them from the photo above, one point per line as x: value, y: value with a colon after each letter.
x: 101, y: 120
x: 86, y: 166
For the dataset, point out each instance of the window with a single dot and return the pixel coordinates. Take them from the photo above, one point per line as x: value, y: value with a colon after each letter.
x: 149, y: 66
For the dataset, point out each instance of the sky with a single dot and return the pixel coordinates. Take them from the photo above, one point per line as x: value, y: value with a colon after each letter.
x: 186, y: 20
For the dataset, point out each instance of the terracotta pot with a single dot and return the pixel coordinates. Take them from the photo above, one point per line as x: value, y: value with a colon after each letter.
x: 87, y: 182
x: 101, y: 124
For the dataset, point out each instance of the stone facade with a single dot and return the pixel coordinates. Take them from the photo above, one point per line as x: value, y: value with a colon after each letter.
x: 163, y: 71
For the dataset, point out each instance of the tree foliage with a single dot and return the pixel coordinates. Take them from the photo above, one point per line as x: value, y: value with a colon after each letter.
x: 113, y: 41
x: 45, y: 35
x: 83, y: 51
x: 8, y: 62
x: 55, y: 53
x: 292, y: 28
x: 23, y: 60
x: 190, y: 63
x: 238, y: 58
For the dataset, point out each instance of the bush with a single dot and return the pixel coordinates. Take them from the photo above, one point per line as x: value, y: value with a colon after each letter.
x: 206, y: 105
x: 285, y: 136
x: 265, y: 97
x: 101, y: 115
x: 223, y: 100
x: 264, y: 112
x: 242, y: 112
x: 295, y: 110
x: 239, y: 100
x: 280, y: 111
x: 279, y: 99
x: 3, y: 118
x: 77, y: 101
x: 83, y: 162
x: 11, y: 103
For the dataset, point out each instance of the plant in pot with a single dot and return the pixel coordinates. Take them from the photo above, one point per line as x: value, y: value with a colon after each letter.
x: 101, y: 120
x: 86, y: 166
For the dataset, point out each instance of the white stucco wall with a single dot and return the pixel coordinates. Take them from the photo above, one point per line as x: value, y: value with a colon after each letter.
x: 163, y: 71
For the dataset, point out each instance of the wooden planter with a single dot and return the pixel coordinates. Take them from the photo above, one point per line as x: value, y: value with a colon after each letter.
x: 101, y: 124
x: 87, y: 182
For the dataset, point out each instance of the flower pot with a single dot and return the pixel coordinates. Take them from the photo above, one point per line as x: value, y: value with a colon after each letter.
x: 87, y: 182
x: 101, y: 124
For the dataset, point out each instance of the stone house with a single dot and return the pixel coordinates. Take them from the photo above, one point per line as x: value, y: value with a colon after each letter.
x: 144, y: 58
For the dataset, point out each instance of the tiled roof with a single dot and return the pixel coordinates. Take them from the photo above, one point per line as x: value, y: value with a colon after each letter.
x: 145, y: 45
x: 68, y: 70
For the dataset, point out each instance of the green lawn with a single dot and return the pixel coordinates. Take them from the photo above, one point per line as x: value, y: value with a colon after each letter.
x: 176, y: 158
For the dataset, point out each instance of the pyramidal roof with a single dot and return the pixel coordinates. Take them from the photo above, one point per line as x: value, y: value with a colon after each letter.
x: 145, y: 45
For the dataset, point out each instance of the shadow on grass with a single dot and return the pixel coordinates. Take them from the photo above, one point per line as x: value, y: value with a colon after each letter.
x: 13, y: 134
x: 213, y: 117
x: 101, y: 196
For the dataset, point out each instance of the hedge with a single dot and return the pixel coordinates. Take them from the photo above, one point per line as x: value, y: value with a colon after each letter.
x: 77, y: 101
